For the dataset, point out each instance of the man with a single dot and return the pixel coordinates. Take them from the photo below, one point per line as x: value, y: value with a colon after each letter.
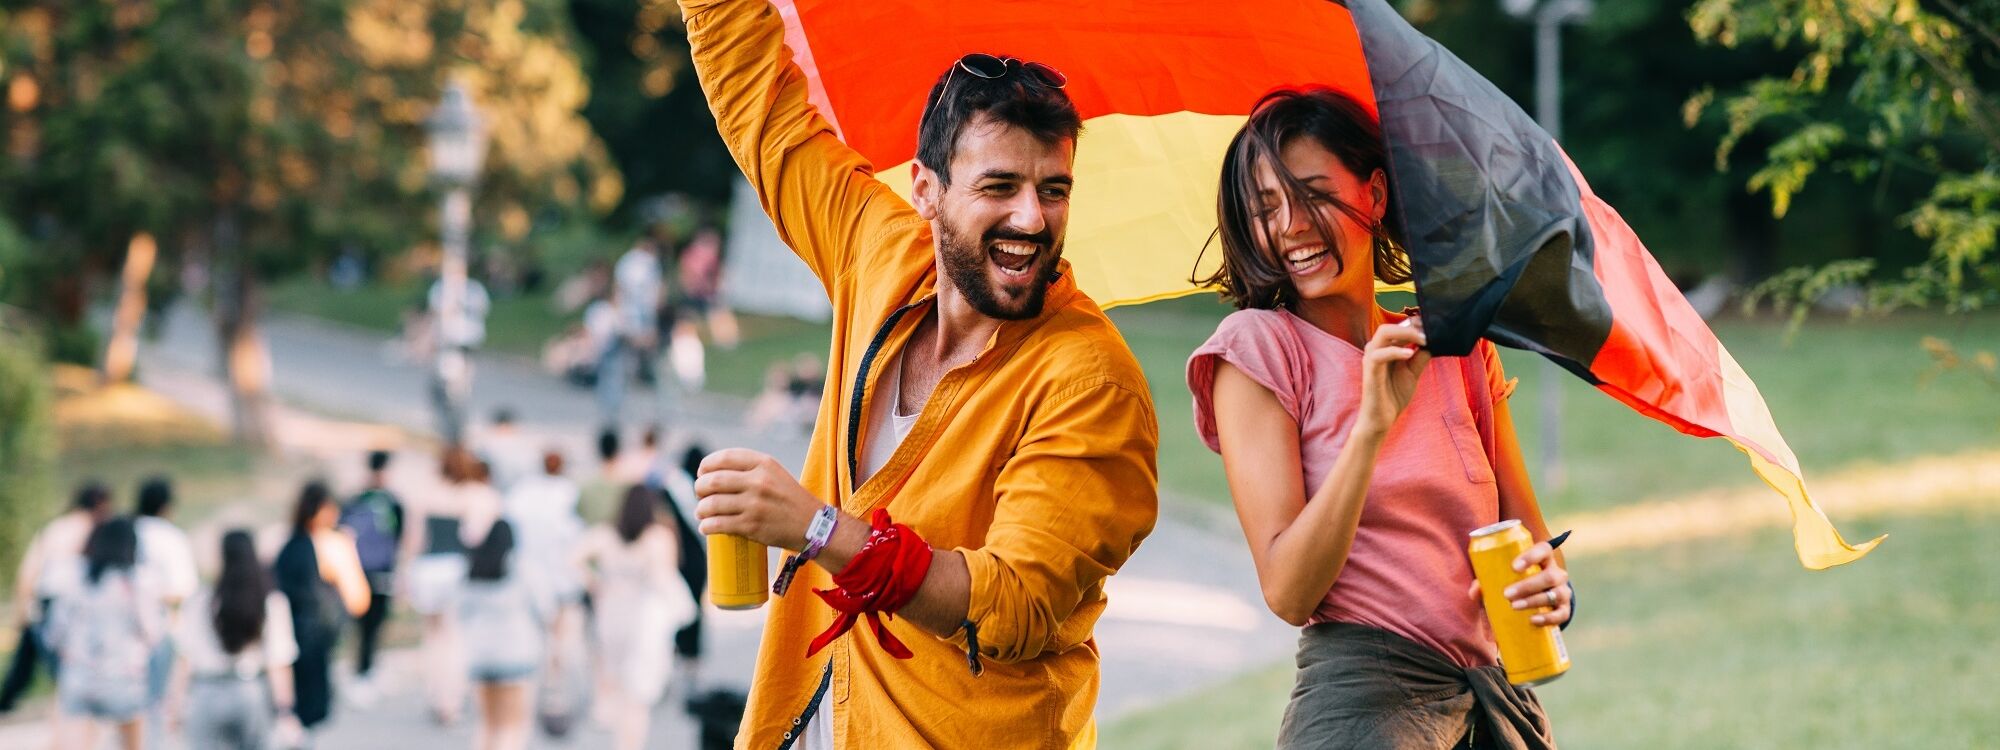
x: 509, y: 452
x: 52, y: 566
x: 166, y: 557
x: 374, y: 516
x: 978, y: 397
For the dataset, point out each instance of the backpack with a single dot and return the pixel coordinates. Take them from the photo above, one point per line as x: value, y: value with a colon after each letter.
x: 376, y: 525
x: 102, y: 645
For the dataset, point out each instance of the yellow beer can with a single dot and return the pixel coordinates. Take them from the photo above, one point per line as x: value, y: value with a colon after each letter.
x: 1533, y: 654
x: 739, y: 572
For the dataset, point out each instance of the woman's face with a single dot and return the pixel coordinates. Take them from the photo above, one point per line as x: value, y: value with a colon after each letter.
x: 1299, y: 248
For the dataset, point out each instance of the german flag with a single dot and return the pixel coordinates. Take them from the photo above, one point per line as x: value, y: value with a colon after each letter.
x: 1506, y: 239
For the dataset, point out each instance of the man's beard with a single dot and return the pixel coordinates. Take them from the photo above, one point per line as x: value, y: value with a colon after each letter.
x: 965, y: 265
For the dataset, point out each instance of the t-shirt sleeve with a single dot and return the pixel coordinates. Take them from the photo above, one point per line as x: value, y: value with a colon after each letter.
x: 1261, y: 345
x: 1497, y: 382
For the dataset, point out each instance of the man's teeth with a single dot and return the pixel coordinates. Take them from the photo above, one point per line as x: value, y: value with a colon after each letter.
x: 1014, y: 248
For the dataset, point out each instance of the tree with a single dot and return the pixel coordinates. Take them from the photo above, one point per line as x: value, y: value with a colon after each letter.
x: 257, y: 139
x: 1886, y: 91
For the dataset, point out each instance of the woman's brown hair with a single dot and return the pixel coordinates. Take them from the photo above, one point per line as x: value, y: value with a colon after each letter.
x: 1251, y: 277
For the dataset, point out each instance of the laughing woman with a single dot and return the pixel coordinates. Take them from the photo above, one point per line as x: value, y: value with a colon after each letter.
x: 1357, y: 462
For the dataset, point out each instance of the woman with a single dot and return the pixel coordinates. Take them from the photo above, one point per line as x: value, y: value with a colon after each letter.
x: 237, y: 649
x: 1356, y: 461
x: 319, y: 572
x: 441, y: 527
x: 638, y: 600
x: 103, y: 632
x: 505, y: 617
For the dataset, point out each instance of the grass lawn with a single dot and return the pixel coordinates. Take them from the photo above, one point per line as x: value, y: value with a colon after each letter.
x: 1844, y: 393
x: 1729, y: 644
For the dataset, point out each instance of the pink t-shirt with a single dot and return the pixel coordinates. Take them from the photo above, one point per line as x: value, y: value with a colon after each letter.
x: 1407, y: 572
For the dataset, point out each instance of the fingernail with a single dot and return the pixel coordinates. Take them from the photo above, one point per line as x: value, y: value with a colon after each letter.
x: 1519, y: 564
x: 1508, y: 592
x: 1520, y: 605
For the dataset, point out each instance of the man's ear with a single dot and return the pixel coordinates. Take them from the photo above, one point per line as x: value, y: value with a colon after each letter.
x: 926, y: 190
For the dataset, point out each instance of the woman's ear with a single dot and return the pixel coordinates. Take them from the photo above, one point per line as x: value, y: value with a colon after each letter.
x: 1378, y: 193
x: 925, y: 190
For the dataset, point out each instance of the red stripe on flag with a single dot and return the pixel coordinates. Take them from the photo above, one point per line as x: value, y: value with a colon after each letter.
x: 1660, y: 358
x: 875, y: 62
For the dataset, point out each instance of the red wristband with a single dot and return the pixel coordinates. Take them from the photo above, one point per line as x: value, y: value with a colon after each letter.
x: 880, y: 579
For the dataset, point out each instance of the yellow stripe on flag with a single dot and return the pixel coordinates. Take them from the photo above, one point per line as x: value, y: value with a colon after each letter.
x: 1135, y: 229
x: 1818, y: 543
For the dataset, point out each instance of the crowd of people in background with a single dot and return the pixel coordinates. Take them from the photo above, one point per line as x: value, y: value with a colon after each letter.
x: 538, y: 597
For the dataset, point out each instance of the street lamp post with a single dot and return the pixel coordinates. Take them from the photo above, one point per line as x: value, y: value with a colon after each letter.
x: 1549, y: 17
x: 457, y: 148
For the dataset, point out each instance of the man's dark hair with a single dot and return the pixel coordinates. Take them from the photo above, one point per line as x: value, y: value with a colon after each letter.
x: 90, y: 496
x: 1016, y: 99
x: 607, y: 444
x: 155, y: 494
x: 378, y: 460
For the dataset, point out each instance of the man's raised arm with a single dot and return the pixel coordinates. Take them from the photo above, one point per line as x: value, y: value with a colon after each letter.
x: 822, y: 195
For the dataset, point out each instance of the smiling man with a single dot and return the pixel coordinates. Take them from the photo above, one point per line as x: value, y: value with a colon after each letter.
x: 982, y: 414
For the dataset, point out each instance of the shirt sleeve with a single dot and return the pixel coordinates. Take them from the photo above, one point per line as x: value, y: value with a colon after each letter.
x: 1074, y: 502
x: 1497, y: 381
x: 821, y: 195
x: 1262, y: 346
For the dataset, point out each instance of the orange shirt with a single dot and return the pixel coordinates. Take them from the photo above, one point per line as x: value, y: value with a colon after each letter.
x: 1036, y: 460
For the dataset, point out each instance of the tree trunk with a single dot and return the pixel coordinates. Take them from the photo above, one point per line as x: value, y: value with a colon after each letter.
x: 123, y: 349
x: 241, y: 354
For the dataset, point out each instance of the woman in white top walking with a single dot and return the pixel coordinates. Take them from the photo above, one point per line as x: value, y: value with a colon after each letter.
x: 638, y: 600
x: 441, y: 526
x: 237, y: 648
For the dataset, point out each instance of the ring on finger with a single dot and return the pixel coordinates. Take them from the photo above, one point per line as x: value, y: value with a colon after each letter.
x: 1551, y: 594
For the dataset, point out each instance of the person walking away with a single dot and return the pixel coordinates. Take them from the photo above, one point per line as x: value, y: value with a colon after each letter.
x: 638, y: 602
x: 104, y: 633
x: 48, y: 569
x: 675, y: 483
x: 374, y: 518
x: 510, y: 452
x: 434, y: 563
x: 547, y: 529
x: 319, y: 572
x: 506, y: 619
x: 458, y: 334
x: 236, y: 653
x: 168, y: 558
x: 601, y: 496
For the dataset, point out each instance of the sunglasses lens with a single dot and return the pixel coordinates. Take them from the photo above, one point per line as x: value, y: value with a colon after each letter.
x: 983, y: 65
x: 1046, y: 75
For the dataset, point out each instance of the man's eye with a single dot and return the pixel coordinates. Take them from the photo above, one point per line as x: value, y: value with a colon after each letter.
x: 1055, y: 194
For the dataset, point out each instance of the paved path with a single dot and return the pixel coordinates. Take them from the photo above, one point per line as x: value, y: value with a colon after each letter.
x: 1184, y: 612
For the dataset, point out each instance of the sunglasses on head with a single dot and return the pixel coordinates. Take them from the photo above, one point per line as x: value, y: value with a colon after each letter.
x: 991, y: 68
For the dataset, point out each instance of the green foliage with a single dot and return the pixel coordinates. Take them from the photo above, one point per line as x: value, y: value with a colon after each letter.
x: 27, y: 442
x: 1883, y: 91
